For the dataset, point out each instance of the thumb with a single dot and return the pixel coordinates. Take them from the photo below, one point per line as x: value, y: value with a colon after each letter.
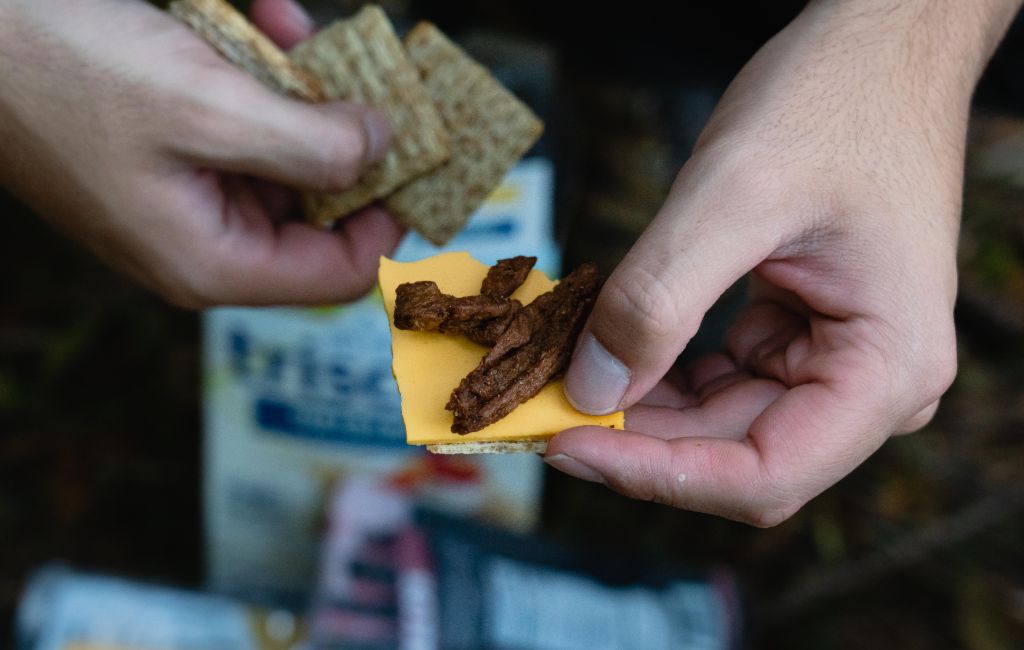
x: 654, y: 301
x: 248, y: 129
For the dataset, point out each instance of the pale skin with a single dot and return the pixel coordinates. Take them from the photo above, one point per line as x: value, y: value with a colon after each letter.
x: 831, y: 171
x: 129, y: 133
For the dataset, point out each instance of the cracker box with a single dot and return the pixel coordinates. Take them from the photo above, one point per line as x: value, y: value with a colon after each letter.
x: 295, y: 399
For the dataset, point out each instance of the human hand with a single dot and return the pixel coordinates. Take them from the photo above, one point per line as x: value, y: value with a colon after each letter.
x: 131, y: 134
x: 832, y: 170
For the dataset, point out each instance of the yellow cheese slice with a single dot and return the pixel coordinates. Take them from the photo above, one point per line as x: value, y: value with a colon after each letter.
x: 429, y: 365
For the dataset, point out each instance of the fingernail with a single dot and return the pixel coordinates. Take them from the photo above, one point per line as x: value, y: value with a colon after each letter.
x: 596, y: 380
x: 297, y: 16
x: 378, y: 134
x: 573, y: 467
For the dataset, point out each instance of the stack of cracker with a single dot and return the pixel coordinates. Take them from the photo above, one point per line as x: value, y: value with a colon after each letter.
x: 457, y: 130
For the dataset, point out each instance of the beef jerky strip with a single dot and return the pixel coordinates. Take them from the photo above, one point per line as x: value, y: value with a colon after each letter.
x: 481, y: 319
x: 501, y: 282
x: 534, y: 348
x: 506, y: 276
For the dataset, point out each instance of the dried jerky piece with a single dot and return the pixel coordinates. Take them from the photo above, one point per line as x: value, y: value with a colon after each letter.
x: 421, y: 306
x: 506, y: 276
x: 482, y: 319
x: 529, y: 345
x: 533, y: 349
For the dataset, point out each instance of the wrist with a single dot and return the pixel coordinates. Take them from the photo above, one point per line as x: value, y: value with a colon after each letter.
x: 945, y: 44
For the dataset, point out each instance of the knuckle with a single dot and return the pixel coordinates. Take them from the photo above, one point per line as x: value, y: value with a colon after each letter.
x: 341, y: 155
x: 193, y: 288
x: 770, y: 508
x: 185, y: 297
x: 644, y: 480
x: 920, y: 419
x: 942, y: 371
x: 184, y: 301
x: 632, y: 485
x: 770, y: 501
x: 930, y: 366
x: 910, y: 370
x: 644, y: 299
x: 197, y: 121
x: 189, y: 297
x: 646, y: 491
x: 770, y: 517
x: 637, y: 491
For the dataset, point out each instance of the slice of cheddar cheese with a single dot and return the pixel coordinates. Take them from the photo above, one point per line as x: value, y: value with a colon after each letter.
x: 429, y: 365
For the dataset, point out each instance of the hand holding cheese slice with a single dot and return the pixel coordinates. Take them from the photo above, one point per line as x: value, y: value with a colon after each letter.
x: 429, y: 365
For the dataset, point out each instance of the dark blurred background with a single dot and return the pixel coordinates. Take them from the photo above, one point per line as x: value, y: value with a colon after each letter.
x: 922, y: 546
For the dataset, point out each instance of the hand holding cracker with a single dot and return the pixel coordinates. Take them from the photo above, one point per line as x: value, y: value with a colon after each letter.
x: 458, y: 131
x: 128, y: 132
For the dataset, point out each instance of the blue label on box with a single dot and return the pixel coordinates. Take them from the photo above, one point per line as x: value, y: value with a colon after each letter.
x: 322, y: 383
x: 328, y: 421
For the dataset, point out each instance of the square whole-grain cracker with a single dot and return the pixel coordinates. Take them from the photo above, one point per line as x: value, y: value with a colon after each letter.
x: 243, y: 44
x: 490, y: 131
x: 361, y: 60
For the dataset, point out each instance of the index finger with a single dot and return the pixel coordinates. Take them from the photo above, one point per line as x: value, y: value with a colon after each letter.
x: 804, y: 442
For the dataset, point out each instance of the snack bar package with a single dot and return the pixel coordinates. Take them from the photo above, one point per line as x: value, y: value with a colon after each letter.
x: 504, y: 591
x: 391, y: 577
x: 66, y: 610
